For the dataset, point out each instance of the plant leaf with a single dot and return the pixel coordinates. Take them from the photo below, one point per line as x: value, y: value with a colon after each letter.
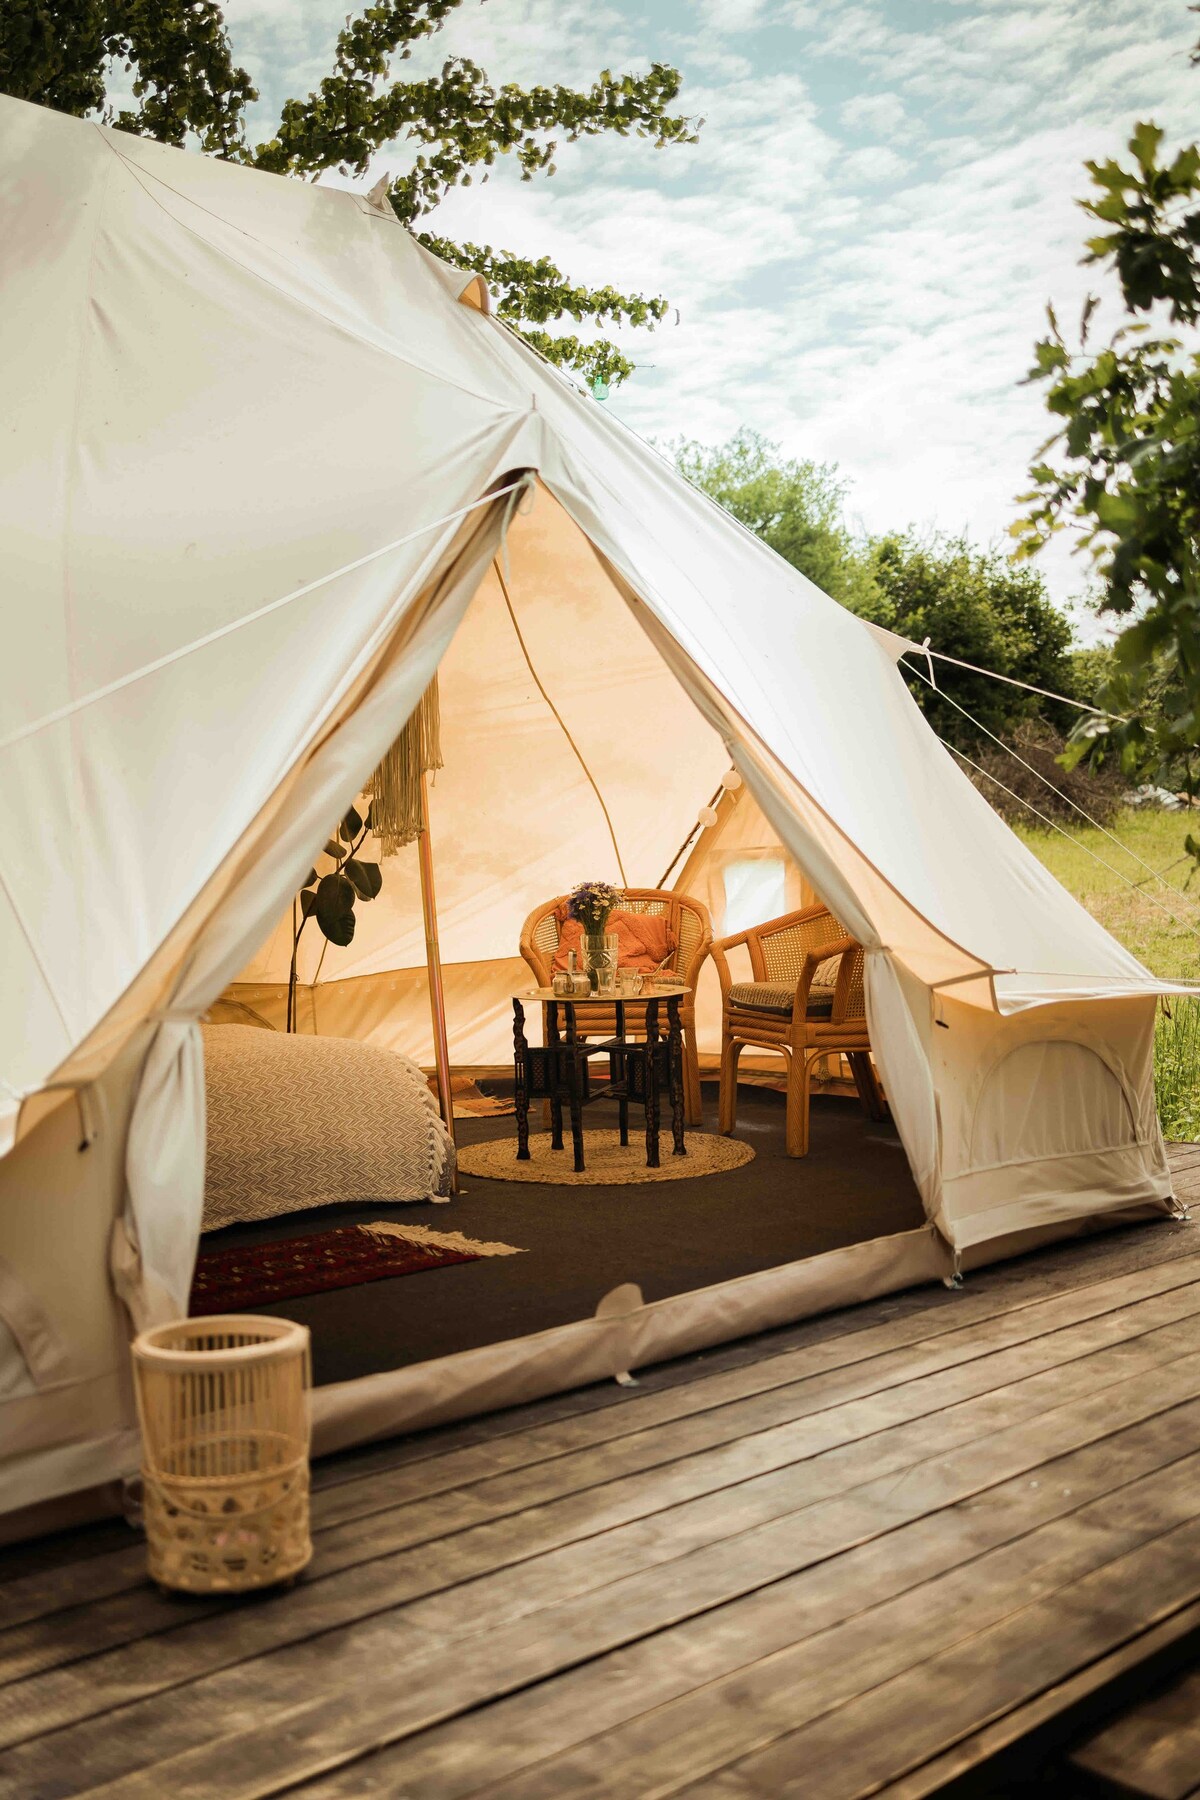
x: 308, y: 902
x: 335, y: 908
x: 350, y: 827
x: 335, y: 850
x: 367, y: 877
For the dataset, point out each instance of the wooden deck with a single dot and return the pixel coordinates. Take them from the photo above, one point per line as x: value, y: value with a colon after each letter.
x: 931, y: 1545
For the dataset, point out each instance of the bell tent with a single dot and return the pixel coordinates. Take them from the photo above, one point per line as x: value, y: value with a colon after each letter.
x: 267, y: 466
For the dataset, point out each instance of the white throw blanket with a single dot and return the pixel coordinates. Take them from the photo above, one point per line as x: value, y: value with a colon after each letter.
x: 296, y: 1122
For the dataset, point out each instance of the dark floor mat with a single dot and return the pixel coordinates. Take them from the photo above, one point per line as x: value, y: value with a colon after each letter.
x: 854, y: 1184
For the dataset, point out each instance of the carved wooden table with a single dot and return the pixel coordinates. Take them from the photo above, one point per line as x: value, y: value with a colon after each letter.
x: 638, y: 1069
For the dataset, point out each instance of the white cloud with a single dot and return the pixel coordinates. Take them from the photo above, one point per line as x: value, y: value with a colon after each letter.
x: 882, y: 116
x: 862, y: 243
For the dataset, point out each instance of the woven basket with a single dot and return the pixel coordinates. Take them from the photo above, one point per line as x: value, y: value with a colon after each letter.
x: 224, y: 1408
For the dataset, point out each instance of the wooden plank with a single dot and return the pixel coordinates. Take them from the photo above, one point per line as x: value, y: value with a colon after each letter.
x: 1023, y: 1738
x: 802, y: 1382
x: 906, y: 1722
x: 377, y: 1486
x: 1153, y: 1748
x: 429, y: 1680
x: 471, y: 1753
x: 691, y: 1738
x: 1076, y: 1359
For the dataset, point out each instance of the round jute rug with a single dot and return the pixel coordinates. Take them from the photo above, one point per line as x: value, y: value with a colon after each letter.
x: 608, y: 1164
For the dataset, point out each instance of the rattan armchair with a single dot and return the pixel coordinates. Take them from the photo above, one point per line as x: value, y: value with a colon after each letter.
x: 691, y: 926
x: 806, y: 1001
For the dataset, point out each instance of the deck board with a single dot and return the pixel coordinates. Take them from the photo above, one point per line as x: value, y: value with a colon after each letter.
x: 697, y: 1500
x: 1153, y: 1749
x: 852, y: 1556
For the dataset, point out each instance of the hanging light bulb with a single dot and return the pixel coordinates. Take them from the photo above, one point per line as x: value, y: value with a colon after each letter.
x: 706, y: 816
x: 731, y: 781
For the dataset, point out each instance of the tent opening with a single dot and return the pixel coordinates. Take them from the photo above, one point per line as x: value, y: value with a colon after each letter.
x: 569, y: 752
x: 220, y: 627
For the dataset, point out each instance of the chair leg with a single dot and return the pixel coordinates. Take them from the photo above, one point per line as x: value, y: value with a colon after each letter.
x: 799, y: 1079
x: 727, y: 1119
x: 867, y: 1083
x: 693, y: 1099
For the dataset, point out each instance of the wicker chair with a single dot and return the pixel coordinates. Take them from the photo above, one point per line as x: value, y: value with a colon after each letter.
x: 806, y: 1001
x: 689, y: 920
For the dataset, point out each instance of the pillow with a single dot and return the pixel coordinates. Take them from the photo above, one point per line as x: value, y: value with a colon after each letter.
x: 826, y: 973
x: 643, y: 940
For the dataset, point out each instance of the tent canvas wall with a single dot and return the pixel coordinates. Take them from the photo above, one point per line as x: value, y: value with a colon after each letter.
x: 259, y: 461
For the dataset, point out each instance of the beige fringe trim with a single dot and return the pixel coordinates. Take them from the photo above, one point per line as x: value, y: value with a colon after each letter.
x: 395, y: 787
x: 439, y: 1240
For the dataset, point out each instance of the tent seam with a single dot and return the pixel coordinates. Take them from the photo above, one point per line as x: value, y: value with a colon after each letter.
x: 561, y: 721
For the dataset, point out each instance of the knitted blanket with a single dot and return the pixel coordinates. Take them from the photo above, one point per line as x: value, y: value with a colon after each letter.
x: 296, y: 1122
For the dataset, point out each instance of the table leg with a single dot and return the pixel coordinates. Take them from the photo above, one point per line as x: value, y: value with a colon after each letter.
x: 520, y: 1087
x: 651, y: 1084
x: 576, y: 1096
x: 553, y: 1063
x: 675, y: 1064
x: 623, y: 1102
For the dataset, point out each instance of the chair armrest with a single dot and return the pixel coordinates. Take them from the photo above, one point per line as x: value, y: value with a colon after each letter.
x: 849, y: 973
x: 691, y: 974
x: 812, y: 962
x: 717, y: 949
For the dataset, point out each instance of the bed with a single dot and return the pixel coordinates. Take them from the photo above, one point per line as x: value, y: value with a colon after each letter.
x: 296, y: 1122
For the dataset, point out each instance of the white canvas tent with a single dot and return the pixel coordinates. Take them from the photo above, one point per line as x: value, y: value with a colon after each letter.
x: 258, y: 461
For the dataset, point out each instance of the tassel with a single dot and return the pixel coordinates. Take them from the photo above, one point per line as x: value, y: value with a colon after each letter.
x: 395, y: 787
x: 384, y: 1229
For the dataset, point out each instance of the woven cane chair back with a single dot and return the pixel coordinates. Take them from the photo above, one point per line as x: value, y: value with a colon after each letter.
x: 783, y: 951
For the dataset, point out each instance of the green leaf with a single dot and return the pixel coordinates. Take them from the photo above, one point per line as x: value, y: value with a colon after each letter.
x: 1145, y: 141
x: 367, y: 877
x: 308, y: 902
x: 334, y: 849
x: 335, y: 908
x: 309, y: 879
x: 350, y: 826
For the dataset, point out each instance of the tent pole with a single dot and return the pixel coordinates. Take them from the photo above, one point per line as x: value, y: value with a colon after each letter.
x: 433, y: 962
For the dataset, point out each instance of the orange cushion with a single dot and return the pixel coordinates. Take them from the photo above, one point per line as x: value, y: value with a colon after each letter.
x: 643, y: 940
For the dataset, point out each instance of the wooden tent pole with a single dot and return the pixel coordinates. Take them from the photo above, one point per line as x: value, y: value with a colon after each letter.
x: 433, y: 962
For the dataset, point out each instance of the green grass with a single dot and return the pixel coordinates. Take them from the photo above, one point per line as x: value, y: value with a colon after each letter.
x: 1170, y: 945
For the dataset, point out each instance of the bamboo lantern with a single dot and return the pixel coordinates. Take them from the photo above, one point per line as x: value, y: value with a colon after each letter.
x: 224, y: 1408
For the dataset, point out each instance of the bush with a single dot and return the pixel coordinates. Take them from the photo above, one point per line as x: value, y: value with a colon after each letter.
x: 1096, y: 792
x: 1177, y: 1070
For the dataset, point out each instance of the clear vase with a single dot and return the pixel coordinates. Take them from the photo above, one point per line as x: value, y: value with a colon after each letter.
x: 600, y: 961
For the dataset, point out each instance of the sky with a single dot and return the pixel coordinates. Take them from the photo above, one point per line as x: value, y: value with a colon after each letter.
x: 860, y: 247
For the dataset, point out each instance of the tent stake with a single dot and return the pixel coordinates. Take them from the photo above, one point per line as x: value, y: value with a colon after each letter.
x: 433, y: 962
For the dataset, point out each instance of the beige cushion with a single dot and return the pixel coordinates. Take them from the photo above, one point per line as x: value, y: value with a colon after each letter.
x: 780, y: 996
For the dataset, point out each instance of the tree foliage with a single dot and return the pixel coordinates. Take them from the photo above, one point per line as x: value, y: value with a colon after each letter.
x: 1123, y: 470
x: 186, y: 87
x: 974, y: 604
x: 979, y: 606
x: 795, y: 506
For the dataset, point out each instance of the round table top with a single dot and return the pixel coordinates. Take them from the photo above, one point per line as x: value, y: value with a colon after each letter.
x: 653, y: 991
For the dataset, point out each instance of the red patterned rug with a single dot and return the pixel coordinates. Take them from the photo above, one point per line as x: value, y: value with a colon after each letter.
x: 257, y: 1274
